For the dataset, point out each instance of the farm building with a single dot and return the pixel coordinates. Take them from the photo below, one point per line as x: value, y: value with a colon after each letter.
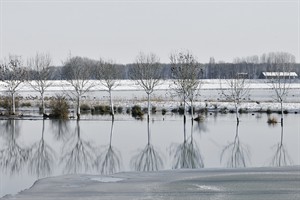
x: 268, y: 75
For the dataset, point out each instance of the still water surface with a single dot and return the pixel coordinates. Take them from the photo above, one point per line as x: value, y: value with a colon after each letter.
x: 33, y: 149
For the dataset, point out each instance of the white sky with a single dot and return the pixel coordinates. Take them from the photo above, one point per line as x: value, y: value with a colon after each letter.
x: 119, y: 30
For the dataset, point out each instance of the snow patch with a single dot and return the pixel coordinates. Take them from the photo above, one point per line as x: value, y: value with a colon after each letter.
x: 107, y: 179
x: 208, y: 188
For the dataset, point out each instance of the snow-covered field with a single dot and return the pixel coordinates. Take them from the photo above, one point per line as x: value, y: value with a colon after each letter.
x: 127, y: 93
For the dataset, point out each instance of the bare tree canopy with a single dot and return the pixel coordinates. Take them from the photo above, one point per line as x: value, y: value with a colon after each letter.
x: 107, y: 73
x: 237, y: 89
x: 13, y: 73
x: 283, y: 63
x: 40, y: 64
x: 186, y: 72
x: 77, y: 72
x: 147, y: 73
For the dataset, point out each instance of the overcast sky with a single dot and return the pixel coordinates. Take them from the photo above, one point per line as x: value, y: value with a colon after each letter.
x: 119, y: 30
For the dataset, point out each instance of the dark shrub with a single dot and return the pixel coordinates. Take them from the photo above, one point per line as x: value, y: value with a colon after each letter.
x: 174, y: 110
x: 6, y: 103
x: 272, y: 120
x: 102, y: 110
x: 224, y: 110
x: 181, y: 110
x: 85, y: 107
x: 145, y: 110
x: 190, y: 110
x: 241, y: 110
x: 120, y: 109
x: 163, y: 111
x: 136, y: 111
x: 59, y: 108
x: 25, y: 104
x: 153, y: 110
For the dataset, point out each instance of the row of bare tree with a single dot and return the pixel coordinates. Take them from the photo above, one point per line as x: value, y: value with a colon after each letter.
x: 146, y: 71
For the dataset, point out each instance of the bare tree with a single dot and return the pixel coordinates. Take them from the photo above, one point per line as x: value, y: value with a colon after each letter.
x: 185, y: 71
x: 77, y: 72
x: 41, y: 66
x: 236, y: 90
x: 13, y: 73
x: 281, y: 64
x: 147, y: 74
x: 107, y: 74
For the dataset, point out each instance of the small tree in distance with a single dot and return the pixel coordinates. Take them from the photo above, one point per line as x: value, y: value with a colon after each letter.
x: 40, y: 64
x: 13, y: 73
x: 77, y: 72
x: 147, y: 74
x: 280, y: 63
x: 237, y: 89
x: 107, y: 74
x: 185, y: 72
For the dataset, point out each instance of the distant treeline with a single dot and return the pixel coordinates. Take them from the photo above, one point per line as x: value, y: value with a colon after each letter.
x: 208, y: 71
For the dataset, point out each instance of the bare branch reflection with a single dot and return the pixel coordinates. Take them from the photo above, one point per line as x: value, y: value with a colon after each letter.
x: 42, y: 157
x: 235, y: 154
x: 60, y: 129
x: 201, y: 125
x: 79, y: 155
x: 281, y: 156
x: 187, y: 154
x: 147, y: 159
x: 109, y: 161
x: 12, y: 157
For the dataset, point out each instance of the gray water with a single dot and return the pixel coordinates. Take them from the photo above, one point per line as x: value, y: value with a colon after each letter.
x: 52, y: 147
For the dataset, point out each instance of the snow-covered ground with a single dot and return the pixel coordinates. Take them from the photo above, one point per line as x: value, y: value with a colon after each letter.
x: 128, y: 93
x: 234, y: 184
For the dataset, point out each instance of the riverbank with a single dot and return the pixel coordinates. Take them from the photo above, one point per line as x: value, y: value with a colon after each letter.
x: 240, y: 184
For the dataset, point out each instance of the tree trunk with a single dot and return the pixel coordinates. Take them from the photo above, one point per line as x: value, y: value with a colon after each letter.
x: 184, y: 118
x: 43, y: 103
x: 78, y: 107
x: 281, y: 111
x: 13, y: 103
x: 192, y: 112
x: 111, y: 105
x: 149, y: 109
x: 184, y: 109
x: 237, y: 113
x: 148, y: 130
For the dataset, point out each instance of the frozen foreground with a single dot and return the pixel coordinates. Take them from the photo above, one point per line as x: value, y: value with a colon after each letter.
x: 249, y: 183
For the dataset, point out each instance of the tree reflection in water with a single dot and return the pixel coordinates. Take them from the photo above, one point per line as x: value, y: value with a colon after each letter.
x: 281, y: 156
x: 42, y: 157
x: 79, y: 154
x: 236, y: 153
x: 109, y: 161
x: 147, y: 159
x: 12, y: 157
x: 187, y: 154
x: 60, y: 129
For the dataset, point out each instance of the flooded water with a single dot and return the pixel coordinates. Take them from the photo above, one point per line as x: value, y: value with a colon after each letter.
x: 33, y: 149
